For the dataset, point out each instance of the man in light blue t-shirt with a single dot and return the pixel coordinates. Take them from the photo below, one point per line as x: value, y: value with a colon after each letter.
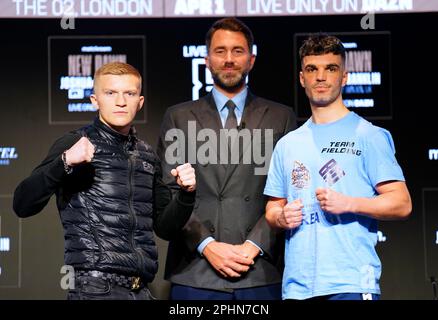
x: 329, y: 182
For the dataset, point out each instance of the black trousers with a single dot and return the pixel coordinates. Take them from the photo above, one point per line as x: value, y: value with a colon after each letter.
x: 268, y: 292
x: 93, y: 288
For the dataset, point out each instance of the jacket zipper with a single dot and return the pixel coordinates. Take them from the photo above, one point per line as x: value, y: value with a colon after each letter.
x: 131, y: 162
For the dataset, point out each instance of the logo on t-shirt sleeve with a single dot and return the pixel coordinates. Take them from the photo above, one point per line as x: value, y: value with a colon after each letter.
x: 331, y: 172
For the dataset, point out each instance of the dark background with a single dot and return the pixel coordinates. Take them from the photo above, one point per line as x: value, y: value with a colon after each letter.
x: 24, y: 125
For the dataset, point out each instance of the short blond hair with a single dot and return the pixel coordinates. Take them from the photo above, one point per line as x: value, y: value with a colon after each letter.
x: 117, y: 69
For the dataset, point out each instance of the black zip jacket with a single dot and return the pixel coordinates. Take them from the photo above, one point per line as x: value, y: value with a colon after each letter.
x: 110, y: 207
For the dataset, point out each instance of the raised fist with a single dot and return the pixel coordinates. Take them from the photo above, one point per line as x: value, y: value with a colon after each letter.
x: 81, y: 152
x: 292, y: 216
x: 185, y: 176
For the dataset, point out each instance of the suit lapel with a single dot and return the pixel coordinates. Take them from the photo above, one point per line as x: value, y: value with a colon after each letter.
x: 252, y: 117
x: 254, y: 112
x: 206, y: 113
x: 208, y: 117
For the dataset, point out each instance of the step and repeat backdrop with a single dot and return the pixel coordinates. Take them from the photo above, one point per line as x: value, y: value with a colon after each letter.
x: 51, y: 49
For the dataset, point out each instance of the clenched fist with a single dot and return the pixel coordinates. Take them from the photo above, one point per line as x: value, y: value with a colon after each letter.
x: 332, y: 201
x: 291, y: 216
x: 185, y: 177
x: 82, y: 151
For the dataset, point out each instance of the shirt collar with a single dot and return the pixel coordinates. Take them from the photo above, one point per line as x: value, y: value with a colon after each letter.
x: 239, y: 99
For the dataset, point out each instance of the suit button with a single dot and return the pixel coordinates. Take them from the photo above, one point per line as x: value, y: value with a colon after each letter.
x: 246, y: 198
x: 212, y: 229
x: 221, y: 197
x: 248, y: 229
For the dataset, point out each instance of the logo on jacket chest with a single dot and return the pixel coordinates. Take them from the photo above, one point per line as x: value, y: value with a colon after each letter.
x: 147, y: 166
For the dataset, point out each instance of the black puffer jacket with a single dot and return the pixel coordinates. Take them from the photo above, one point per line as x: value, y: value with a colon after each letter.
x: 108, y: 222
x: 108, y: 207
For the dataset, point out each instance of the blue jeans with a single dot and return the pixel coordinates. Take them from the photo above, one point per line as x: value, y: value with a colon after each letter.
x: 92, y: 288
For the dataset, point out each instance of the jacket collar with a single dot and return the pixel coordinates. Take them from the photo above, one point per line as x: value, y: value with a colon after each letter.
x: 113, y: 135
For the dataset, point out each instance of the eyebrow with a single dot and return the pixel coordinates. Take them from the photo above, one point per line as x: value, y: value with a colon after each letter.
x: 225, y: 47
x: 124, y: 91
x: 327, y: 66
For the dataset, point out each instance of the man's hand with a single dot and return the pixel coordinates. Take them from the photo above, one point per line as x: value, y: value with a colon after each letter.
x: 185, y: 177
x: 81, y: 152
x: 291, y: 216
x: 227, y: 259
x: 333, y: 202
x: 248, y: 249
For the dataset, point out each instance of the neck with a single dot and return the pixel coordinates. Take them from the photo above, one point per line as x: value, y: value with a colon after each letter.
x: 122, y: 130
x: 329, y: 113
x: 230, y: 92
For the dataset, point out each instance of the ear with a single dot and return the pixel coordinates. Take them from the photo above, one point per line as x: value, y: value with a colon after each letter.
x: 252, y: 61
x: 93, y: 100
x: 140, y: 103
x: 207, y: 62
x: 344, y: 78
x: 302, y: 78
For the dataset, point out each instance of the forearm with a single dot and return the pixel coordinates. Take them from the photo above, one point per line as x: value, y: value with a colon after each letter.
x: 173, y: 215
x: 33, y: 193
x: 388, y: 206
x: 273, y: 212
x: 172, y: 211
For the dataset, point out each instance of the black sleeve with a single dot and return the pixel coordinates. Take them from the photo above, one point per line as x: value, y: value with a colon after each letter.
x: 194, y: 232
x: 171, y: 209
x: 33, y: 193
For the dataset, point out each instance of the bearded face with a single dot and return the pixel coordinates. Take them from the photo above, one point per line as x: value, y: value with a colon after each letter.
x: 229, y: 60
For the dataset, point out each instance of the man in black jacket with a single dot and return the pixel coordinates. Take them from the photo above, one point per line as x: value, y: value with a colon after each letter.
x: 110, y: 194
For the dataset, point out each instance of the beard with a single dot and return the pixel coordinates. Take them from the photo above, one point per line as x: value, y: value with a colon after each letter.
x: 229, y: 82
x: 323, y: 100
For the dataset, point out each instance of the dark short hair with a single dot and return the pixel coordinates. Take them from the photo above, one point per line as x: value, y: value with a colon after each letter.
x: 230, y: 24
x: 321, y: 43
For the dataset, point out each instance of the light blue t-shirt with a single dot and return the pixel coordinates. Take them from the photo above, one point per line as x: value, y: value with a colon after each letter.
x: 330, y: 253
